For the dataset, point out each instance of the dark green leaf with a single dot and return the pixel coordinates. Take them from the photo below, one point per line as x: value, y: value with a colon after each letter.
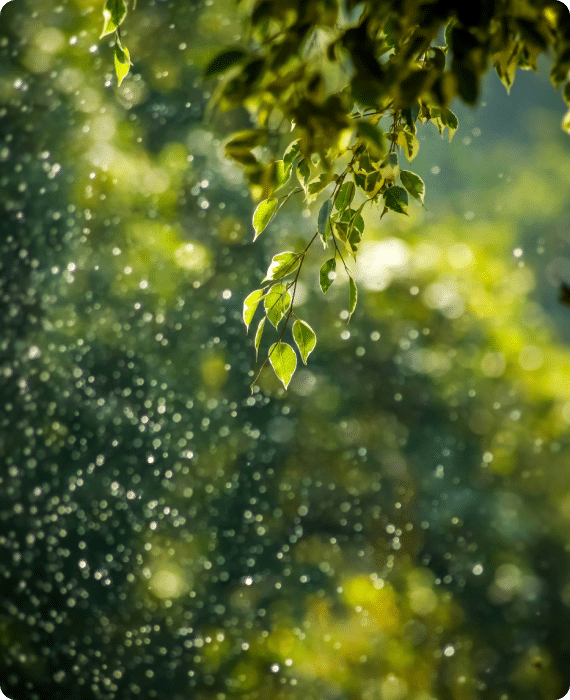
x: 284, y: 361
x: 413, y: 184
x: 327, y: 274
x: 323, y: 220
x: 345, y: 196
x: 396, y: 199
x: 223, y: 61
x: 305, y: 338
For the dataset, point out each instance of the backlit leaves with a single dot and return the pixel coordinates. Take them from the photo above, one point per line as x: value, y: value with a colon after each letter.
x: 263, y: 215
x: 409, y: 143
x: 284, y: 361
x: 250, y: 306
x: 122, y: 61
x: 276, y: 303
x: 281, y: 265
x: 327, y: 274
x: 114, y: 13
x: 305, y: 338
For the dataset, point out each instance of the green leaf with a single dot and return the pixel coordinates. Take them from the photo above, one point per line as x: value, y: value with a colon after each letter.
x: 263, y: 215
x: 303, y: 173
x: 450, y: 121
x: 250, y: 306
x: 409, y: 143
x: 122, y: 61
x: 258, y: 334
x: 413, y: 184
x: 305, y: 338
x: 282, y: 173
x: 396, y: 199
x: 276, y: 303
x: 319, y: 184
x: 352, y: 296
x: 284, y: 361
x: 345, y: 196
x: 323, y: 220
x: 327, y: 274
x: 291, y: 152
x: 373, y: 136
x: 223, y: 61
x: 114, y: 13
x: 282, y: 264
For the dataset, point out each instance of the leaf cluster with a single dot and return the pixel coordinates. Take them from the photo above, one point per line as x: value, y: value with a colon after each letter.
x: 355, y: 80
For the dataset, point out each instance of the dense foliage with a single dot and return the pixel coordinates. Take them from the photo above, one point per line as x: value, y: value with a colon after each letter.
x: 353, y: 80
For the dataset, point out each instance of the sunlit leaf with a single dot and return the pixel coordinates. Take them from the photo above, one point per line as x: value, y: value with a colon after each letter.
x: 409, y: 143
x: 327, y: 274
x: 122, y: 62
x: 263, y: 214
x: 250, y: 306
x: 305, y: 338
x: 413, y: 184
x: 396, y: 199
x: 345, y: 196
x: 319, y: 184
x: 114, y: 13
x: 352, y: 296
x: 223, y: 61
x: 282, y: 173
x: 282, y: 264
x: 303, y: 173
x: 258, y: 334
x: 284, y: 361
x: 276, y: 303
x: 291, y: 152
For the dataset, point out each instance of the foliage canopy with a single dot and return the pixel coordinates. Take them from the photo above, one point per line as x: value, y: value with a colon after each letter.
x: 336, y: 92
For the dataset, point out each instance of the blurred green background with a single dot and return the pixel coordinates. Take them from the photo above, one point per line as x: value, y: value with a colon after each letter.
x: 396, y: 526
